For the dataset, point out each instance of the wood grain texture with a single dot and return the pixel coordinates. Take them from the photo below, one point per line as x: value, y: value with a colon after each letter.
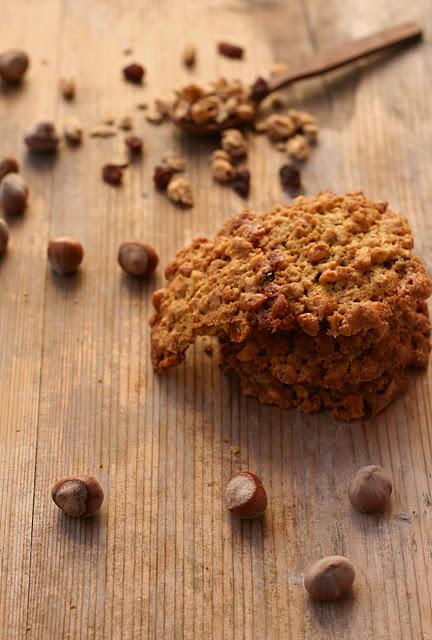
x: 164, y: 559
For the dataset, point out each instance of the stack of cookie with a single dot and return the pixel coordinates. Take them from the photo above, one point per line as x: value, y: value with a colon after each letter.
x: 317, y: 305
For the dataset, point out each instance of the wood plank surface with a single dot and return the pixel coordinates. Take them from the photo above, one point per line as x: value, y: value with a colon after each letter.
x: 164, y: 559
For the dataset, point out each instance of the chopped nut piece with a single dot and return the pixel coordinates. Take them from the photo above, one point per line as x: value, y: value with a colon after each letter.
x: 277, y: 68
x: 120, y: 159
x: 134, y: 73
x: 180, y: 191
x: 112, y: 174
x: 222, y: 170
x: 73, y: 130
x: 230, y: 50
x: 154, y: 116
x: 261, y: 126
x: 220, y: 154
x: 162, y: 106
x: 189, y: 55
x: 298, y: 147
x: 245, y: 112
x: 241, y: 182
x: 310, y: 131
x: 234, y: 143
x: 162, y: 176
x: 280, y: 127
x: 67, y: 88
x: 205, y: 109
x: 142, y: 105
x: 280, y: 146
x: 126, y: 123
x: 290, y: 177
x: 134, y: 143
x: 8, y: 165
x: 102, y: 131
x: 174, y: 161
x: 108, y: 118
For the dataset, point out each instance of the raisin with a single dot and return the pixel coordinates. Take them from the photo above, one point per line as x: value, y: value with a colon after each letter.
x: 241, y: 182
x: 290, y: 177
x: 112, y: 174
x: 134, y: 143
x: 161, y: 177
x: 134, y: 72
x: 230, y: 50
x: 259, y: 89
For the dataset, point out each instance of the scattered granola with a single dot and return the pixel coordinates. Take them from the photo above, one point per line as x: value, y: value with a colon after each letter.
x: 180, y: 191
x: 134, y: 73
x: 73, y: 131
x: 222, y: 170
x: 154, y: 115
x: 112, y: 174
x: 298, y: 147
x: 67, y: 88
x: 241, y: 182
x: 234, y: 143
x: 189, y: 55
x: 230, y: 50
x: 162, y: 176
x: 174, y: 161
x: 134, y: 144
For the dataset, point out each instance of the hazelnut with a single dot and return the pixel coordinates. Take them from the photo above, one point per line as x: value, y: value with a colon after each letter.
x: 134, y: 73
x: 13, y: 193
x: 245, y: 495
x: 370, y: 489
x: 8, y: 165
x: 13, y: 64
x: 67, y: 88
x: 42, y: 136
x: 329, y: 578
x: 65, y: 254
x: 4, y: 235
x: 78, y: 495
x: 137, y: 258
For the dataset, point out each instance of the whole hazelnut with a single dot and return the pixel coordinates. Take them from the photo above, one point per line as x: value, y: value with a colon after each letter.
x: 42, y: 136
x: 13, y: 64
x: 329, y: 578
x: 4, y: 235
x: 13, y: 193
x: 78, y: 495
x: 137, y: 258
x: 8, y: 165
x: 65, y: 254
x: 370, y: 489
x: 245, y: 495
x: 134, y: 72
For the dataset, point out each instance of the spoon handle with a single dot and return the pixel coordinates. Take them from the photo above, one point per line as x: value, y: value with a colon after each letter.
x: 335, y: 57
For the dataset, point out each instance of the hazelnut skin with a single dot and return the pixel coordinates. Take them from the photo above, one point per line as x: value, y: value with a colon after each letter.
x: 13, y: 65
x: 65, y: 254
x: 78, y: 496
x: 329, y: 578
x: 245, y: 495
x: 370, y: 489
x: 13, y: 193
x: 4, y: 236
x: 137, y: 258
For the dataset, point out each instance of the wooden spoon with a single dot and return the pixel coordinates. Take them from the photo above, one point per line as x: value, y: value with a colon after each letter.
x: 317, y: 64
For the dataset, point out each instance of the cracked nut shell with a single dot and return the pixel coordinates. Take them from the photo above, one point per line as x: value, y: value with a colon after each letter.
x: 370, y: 489
x: 78, y: 496
x: 329, y: 578
x: 245, y: 495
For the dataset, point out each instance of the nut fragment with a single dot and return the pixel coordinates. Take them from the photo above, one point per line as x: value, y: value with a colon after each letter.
x: 174, y: 161
x: 220, y: 154
x: 180, y: 191
x: 4, y: 235
x: 290, y: 177
x: 134, y: 73
x: 162, y: 176
x: 67, y: 87
x: 230, y: 50
x: 137, y: 258
x: 234, y: 143
x: 329, y: 578
x: 8, y: 165
x: 298, y: 147
x: 245, y: 112
x: 78, y: 496
x: 277, y: 68
x: 370, y: 489
x: 241, y: 182
x: 189, y: 55
x: 112, y: 174
x: 222, y: 170
x: 125, y: 123
x: 73, y: 130
x: 65, y: 254
x: 13, y: 193
x: 245, y: 495
x: 13, y: 64
x: 280, y: 127
x: 102, y: 131
x: 134, y: 144
x: 42, y: 136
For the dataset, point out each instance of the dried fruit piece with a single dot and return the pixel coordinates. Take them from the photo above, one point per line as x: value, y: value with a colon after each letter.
x: 230, y: 50
x: 259, y: 89
x: 73, y: 130
x: 137, y: 258
x: 8, y: 165
x: 241, y: 182
x: 134, y: 144
x: 67, y: 87
x: 134, y: 73
x: 112, y: 174
x: 290, y: 177
x: 162, y: 176
x: 180, y: 191
x: 189, y: 55
x: 234, y: 143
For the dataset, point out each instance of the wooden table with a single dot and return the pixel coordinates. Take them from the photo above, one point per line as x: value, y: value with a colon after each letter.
x: 164, y: 559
